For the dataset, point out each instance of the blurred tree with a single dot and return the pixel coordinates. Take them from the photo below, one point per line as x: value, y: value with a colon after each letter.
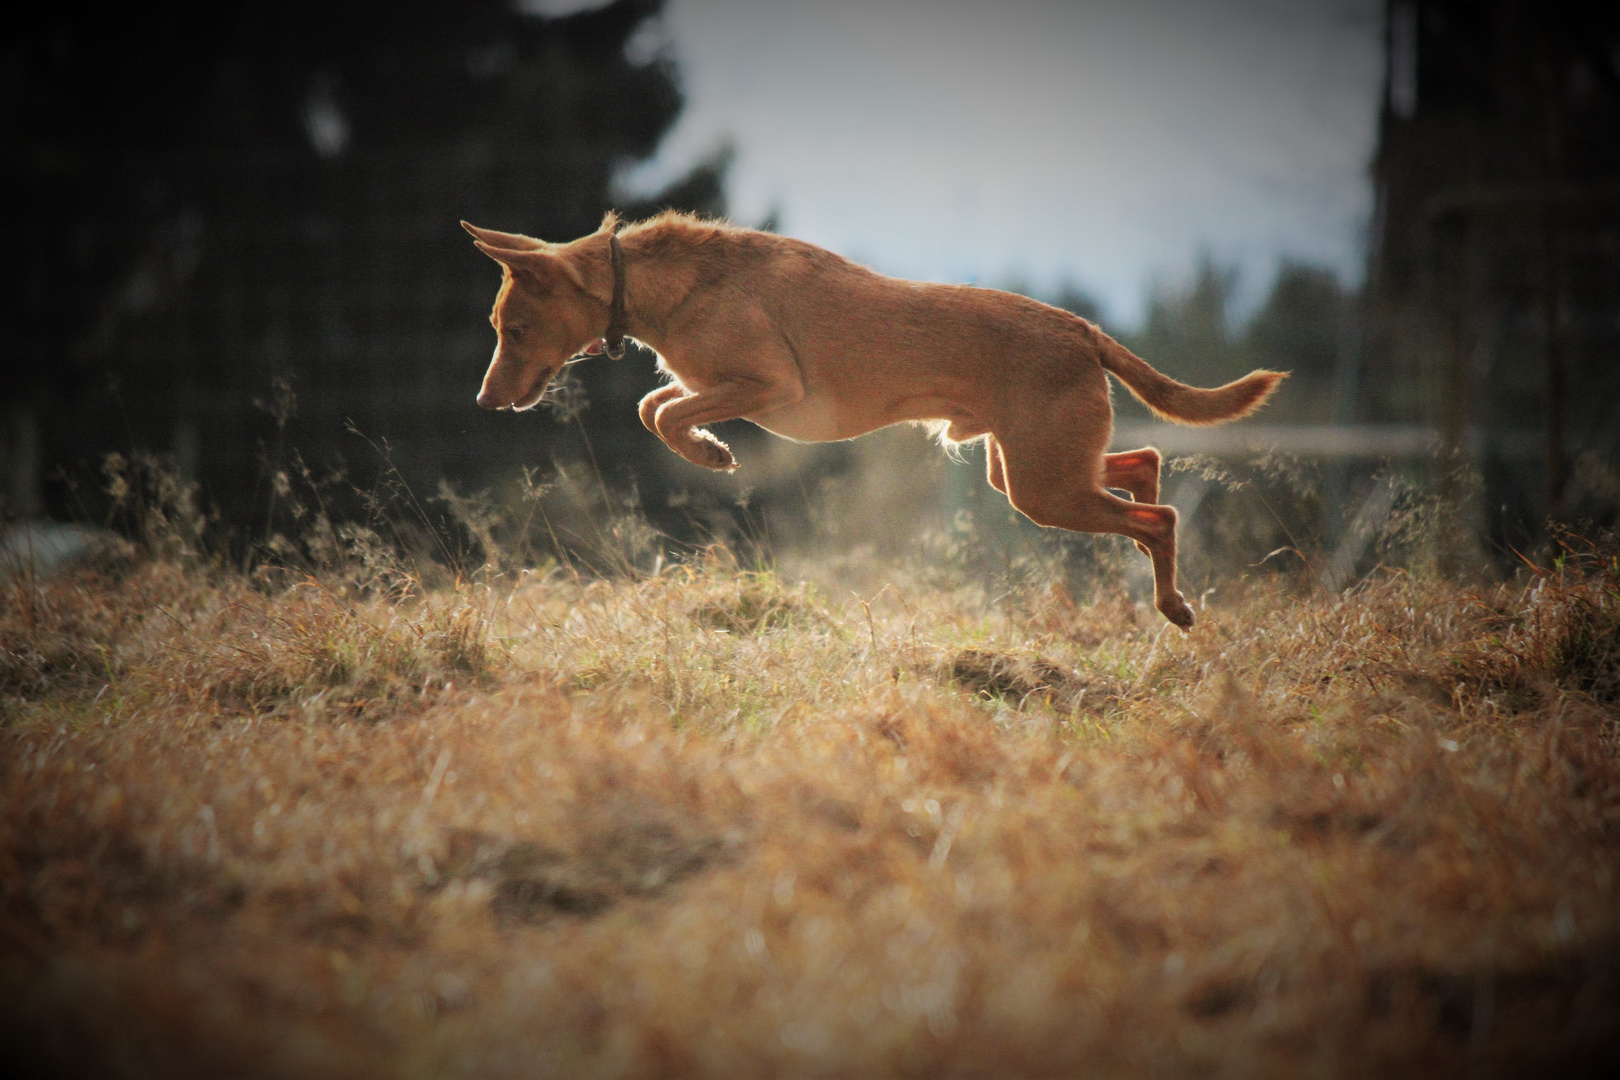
x: 200, y: 199
x: 1302, y: 328
x: 1070, y: 297
x: 1187, y: 331
x: 1300, y: 324
x: 1493, y: 306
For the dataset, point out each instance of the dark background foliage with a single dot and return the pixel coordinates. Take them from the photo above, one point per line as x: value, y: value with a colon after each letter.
x: 230, y: 242
x: 232, y: 234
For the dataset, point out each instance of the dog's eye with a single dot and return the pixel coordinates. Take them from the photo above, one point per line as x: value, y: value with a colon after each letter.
x: 512, y: 333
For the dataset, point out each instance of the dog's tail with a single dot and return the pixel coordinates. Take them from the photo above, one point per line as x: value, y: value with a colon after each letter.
x: 1171, y: 400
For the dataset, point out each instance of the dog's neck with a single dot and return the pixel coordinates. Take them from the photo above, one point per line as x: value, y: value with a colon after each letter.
x: 656, y: 282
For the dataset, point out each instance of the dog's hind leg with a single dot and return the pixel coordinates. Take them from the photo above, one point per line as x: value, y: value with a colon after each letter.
x: 1135, y: 471
x: 995, y: 468
x: 1056, y: 483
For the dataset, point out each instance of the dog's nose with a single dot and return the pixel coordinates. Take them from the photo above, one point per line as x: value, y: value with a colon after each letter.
x: 487, y: 400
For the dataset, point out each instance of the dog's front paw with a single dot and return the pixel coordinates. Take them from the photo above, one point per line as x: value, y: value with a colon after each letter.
x: 711, y: 453
x: 1177, y: 610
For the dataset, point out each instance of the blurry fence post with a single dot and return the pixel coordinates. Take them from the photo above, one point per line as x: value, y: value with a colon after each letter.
x: 1456, y: 232
x: 1356, y: 453
x: 1552, y: 286
x: 20, y: 447
x: 1369, y: 518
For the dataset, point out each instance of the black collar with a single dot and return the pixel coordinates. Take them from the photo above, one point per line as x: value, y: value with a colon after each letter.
x: 613, y: 339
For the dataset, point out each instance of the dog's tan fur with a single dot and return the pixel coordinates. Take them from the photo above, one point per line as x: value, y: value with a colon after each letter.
x: 813, y: 347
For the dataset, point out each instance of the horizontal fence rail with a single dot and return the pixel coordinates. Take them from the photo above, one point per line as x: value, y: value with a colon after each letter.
x: 1324, y: 440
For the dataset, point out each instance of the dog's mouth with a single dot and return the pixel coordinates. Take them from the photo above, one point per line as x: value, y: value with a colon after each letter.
x: 537, y: 390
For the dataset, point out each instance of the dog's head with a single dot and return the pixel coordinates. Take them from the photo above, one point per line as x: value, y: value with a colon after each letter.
x: 544, y: 314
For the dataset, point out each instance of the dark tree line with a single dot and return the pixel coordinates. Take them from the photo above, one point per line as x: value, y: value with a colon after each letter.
x: 205, y: 203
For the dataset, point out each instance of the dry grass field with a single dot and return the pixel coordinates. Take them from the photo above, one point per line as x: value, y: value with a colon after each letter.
x: 714, y: 821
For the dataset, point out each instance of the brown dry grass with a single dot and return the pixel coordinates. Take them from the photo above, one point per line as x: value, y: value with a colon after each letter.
x: 713, y: 823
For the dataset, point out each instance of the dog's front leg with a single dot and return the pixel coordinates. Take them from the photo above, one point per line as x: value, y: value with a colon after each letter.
x: 679, y: 421
x: 648, y: 409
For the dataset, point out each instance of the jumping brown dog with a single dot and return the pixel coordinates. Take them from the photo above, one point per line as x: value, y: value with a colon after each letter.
x: 813, y: 347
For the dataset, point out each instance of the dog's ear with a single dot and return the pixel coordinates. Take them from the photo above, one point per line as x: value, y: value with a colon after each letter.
x: 538, y: 271
x: 505, y: 240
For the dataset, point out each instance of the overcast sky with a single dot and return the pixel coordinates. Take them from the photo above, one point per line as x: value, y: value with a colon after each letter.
x: 1104, y: 143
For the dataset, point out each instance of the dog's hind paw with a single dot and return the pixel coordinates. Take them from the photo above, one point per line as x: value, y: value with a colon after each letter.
x: 1177, y: 610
